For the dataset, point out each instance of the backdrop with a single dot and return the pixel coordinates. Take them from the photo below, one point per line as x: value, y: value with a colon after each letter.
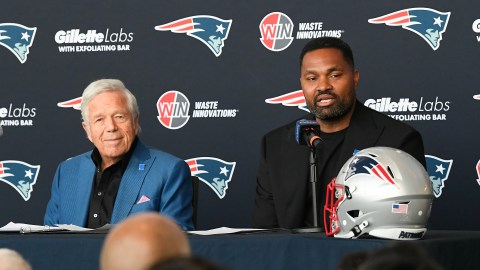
x: 212, y: 77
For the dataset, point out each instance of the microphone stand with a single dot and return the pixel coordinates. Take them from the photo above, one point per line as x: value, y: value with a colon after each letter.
x: 314, y: 184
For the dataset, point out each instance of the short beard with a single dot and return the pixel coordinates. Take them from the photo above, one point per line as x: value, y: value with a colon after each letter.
x: 332, y: 114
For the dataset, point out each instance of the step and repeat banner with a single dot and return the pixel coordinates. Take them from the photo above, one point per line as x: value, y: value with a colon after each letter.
x: 211, y: 77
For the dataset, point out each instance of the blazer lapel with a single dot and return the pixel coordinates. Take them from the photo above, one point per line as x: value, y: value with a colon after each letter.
x: 293, y: 172
x: 83, y: 191
x: 139, y: 165
x: 299, y: 154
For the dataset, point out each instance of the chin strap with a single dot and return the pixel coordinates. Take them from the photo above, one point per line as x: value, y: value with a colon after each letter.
x: 357, y: 230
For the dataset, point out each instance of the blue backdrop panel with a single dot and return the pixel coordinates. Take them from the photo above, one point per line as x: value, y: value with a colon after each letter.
x: 225, y: 63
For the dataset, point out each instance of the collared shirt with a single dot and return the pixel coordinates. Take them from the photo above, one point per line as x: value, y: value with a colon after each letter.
x: 105, y: 188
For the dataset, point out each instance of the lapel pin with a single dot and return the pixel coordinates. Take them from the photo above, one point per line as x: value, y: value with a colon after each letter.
x: 141, y: 167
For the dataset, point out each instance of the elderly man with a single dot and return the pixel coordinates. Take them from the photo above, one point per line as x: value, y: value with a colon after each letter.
x: 142, y: 241
x: 120, y: 176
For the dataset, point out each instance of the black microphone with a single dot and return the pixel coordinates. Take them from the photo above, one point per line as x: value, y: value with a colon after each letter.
x: 307, y: 132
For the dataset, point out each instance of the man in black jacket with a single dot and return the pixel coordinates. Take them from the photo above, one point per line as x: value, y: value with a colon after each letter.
x: 329, y: 82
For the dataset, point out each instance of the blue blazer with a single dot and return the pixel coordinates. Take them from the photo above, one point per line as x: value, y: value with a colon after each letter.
x: 151, y: 173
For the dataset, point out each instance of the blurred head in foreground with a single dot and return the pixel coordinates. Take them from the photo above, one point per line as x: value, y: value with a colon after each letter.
x: 142, y: 241
x: 11, y: 260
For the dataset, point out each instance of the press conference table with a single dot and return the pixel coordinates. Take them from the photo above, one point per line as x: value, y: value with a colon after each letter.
x: 267, y: 250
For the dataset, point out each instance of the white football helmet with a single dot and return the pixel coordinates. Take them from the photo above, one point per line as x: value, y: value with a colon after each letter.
x: 380, y: 191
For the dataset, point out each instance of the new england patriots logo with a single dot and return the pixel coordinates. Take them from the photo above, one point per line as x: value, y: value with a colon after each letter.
x: 428, y: 23
x: 72, y: 103
x: 17, y: 38
x: 438, y: 170
x: 294, y: 98
x: 214, y: 172
x: 368, y: 165
x: 20, y: 175
x: 210, y: 30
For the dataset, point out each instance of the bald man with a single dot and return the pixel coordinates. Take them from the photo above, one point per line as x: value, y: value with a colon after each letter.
x: 141, y: 241
x: 10, y: 259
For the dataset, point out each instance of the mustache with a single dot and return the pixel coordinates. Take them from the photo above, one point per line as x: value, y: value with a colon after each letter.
x: 325, y: 92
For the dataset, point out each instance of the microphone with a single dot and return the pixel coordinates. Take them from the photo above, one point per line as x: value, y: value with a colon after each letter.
x: 306, y: 132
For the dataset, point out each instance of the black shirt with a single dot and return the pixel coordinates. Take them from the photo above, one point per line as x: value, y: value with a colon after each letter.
x: 327, y: 158
x: 105, y: 188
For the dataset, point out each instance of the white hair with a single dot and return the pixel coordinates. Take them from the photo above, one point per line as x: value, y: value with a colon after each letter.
x: 104, y: 85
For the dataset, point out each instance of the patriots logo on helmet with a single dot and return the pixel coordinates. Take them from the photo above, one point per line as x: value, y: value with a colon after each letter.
x: 17, y: 38
x: 438, y: 171
x: 210, y: 30
x: 428, y: 23
x: 72, y: 103
x: 368, y: 165
x: 214, y: 172
x: 294, y: 98
x: 20, y: 175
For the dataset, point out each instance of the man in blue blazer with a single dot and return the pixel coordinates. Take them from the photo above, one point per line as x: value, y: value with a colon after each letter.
x: 120, y: 176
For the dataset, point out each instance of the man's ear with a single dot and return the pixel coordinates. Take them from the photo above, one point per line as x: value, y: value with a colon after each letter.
x: 356, y: 77
x: 136, y: 125
x: 87, y: 131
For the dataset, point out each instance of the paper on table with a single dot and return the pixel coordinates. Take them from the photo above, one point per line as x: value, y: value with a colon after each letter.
x: 26, y: 228
x: 223, y: 230
x: 29, y: 228
x: 72, y: 228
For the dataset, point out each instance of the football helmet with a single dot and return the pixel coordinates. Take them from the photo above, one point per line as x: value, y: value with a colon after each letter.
x: 380, y: 191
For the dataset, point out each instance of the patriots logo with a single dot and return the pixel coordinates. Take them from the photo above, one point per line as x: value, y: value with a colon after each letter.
x: 438, y: 170
x: 210, y: 30
x: 20, y: 175
x: 214, y: 172
x: 17, y: 38
x: 368, y: 165
x: 72, y: 103
x: 294, y: 98
x: 477, y: 97
x: 428, y: 23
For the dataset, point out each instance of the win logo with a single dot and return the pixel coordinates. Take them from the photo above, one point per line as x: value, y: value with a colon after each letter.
x: 277, y: 31
x: 173, y: 107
